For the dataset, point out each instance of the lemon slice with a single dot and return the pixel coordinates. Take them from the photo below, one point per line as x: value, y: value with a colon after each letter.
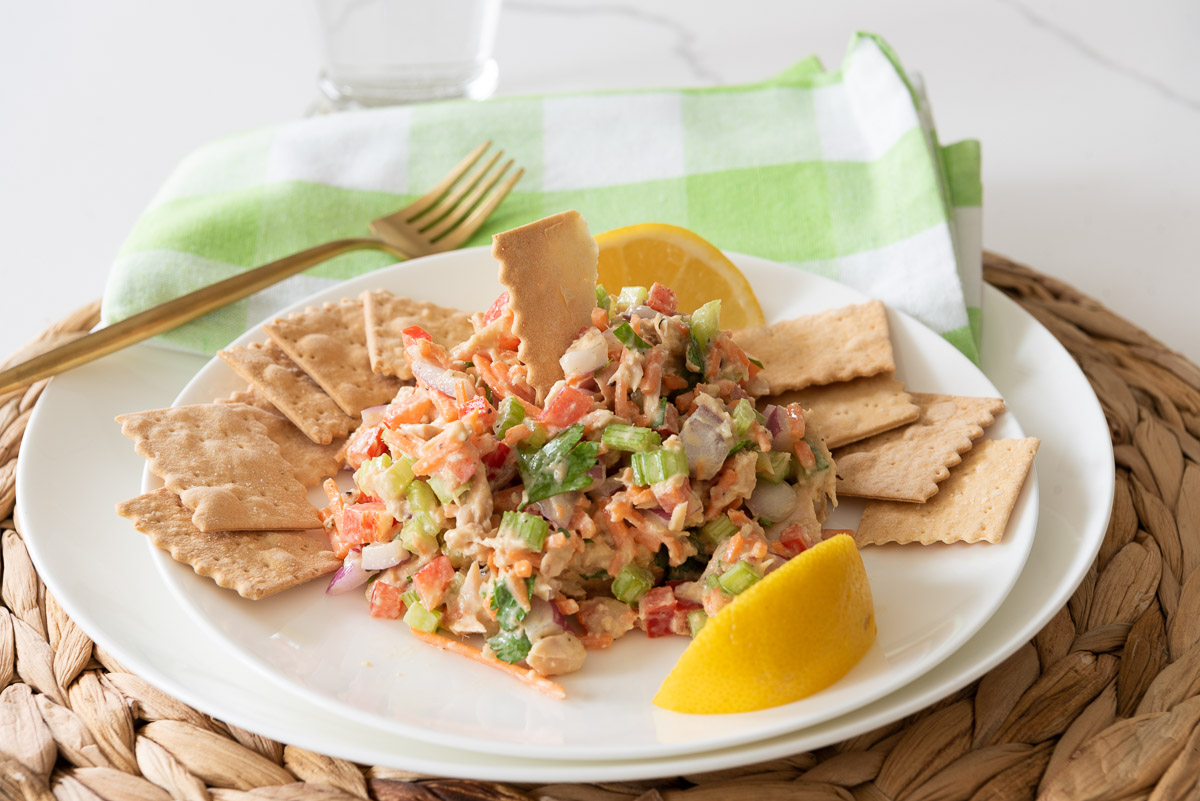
x: 790, y: 635
x: 639, y: 255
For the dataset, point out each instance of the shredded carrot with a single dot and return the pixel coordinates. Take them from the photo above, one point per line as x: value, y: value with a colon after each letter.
x: 530, y: 677
x: 600, y: 318
x: 672, y: 382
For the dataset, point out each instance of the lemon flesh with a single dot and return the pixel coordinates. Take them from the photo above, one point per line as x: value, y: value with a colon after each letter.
x: 639, y: 255
x: 792, y: 634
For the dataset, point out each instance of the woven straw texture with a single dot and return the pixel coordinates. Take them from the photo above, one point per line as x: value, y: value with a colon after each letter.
x: 1104, y: 703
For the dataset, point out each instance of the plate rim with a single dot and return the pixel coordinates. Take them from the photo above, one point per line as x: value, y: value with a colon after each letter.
x: 484, y: 766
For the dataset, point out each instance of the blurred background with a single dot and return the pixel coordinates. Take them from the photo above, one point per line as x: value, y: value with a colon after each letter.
x: 1089, y: 114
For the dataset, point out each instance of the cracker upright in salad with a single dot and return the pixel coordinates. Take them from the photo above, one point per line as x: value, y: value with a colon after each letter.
x: 552, y: 484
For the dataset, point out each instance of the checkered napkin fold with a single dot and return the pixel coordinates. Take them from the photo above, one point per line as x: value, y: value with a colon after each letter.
x: 839, y: 173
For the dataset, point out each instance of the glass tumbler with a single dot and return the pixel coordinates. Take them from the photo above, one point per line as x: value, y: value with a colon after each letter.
x: 388, y: 52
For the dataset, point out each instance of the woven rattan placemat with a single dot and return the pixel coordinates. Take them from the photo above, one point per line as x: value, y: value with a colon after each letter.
x: 1104, y: 703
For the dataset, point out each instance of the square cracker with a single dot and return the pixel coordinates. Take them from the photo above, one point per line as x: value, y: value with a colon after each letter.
x: 224, y: 466
x: 253, y: 563
x: 973, y: 504
x: 848, y: 411
x: 549, y: 269
x: 386, y: 317
x: 310, y: 462
x: 835, y: 345
x: 906, y: 464
x: 290, y: 390
x: 330, y: 344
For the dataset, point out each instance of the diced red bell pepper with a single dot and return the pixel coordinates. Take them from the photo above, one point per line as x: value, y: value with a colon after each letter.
x: 415, y: 332
x: 656, y: 609
x: 386, y: 601
x: 792, y: 540
x: 661, y: 299
x: 477, y: 412
x: 365, y: 443
x: 566, y: 407
x: 679, y: 623
x: 496, y: 309
x: 366, y: 522
x: 494, y: 461
x: 431, y: 581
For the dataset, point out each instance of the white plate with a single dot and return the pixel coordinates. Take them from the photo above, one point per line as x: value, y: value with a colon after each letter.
x: 102, y: 574
x: 929, y: 600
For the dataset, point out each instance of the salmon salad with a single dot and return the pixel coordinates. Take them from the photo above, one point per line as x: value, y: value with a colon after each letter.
x: 644, y: 491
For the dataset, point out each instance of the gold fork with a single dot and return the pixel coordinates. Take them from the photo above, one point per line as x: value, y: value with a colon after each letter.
x: 440, y: 220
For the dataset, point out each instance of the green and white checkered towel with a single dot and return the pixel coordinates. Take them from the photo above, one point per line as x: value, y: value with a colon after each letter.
x: 839, y: 173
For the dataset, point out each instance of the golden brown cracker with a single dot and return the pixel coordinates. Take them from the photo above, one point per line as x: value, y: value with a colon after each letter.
x: 386, y: 317
x: 849, y: 411
x: 311, y: 463
x: 972, y: 505
x: 549, y: 268
x: 255, y: 564
x: 224, y: 466
x: 906, y: 464
x: 330, y: 344
x: 835, y: 345
x: 251, y: 397
x: 290, y: 390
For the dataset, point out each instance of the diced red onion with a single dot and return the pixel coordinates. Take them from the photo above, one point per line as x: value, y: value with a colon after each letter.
x: 350, y: 575
x: 441, y: 379
x: 382, y: 555
x: 373, y: 415
x: 642, y: 311
x: 705, y: 442
x: 777, y: 424
x: 607, y: 487
x: 775, y: 502
x: 661, y: 513
x: 597, y: 473
x: 587, y: 354
x: 774, y: 422
x: 542, y: 620
x: 559, y: 509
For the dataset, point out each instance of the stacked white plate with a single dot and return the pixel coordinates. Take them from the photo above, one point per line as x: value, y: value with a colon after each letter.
x: 316, y: 671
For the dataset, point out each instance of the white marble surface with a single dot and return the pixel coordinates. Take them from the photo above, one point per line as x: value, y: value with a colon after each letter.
x: 1089, y: 114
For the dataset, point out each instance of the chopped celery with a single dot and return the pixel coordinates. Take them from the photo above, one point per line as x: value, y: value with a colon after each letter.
x: 420, y: 497
x: 718, y: 530
x: 655, y: 466
x: 696, y: 620
x: 630, y: 438
x: 774, y: 465
x: 419, y: 534
x: 631, y: 584
x: 713, y: 581
x: 410, y: 597
x: 632, y: 296
x: 530, y: 529
x: 744, y: 416
x: 822, y: 462
x: 419, y: 618
x: 443, y: 492
x: 602, y: 299
x: 660, y: 417
x: 538, y: 435
x: 706, y: 322
x: 629, y: 337
x: 738, y: 578
x: 392, y: 482
x: 510, y: 413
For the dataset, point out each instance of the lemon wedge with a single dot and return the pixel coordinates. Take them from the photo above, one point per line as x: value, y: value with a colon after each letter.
x: 639, y: 255
x: 788, y: 636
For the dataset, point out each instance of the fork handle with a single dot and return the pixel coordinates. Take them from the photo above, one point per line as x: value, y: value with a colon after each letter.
x: 176, y: 312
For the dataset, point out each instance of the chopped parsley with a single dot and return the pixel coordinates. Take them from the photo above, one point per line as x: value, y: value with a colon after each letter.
x: 629, y: 337
x: 510, y: 647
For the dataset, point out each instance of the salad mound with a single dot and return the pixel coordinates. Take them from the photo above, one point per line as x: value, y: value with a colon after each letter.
x: 645, y: 490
